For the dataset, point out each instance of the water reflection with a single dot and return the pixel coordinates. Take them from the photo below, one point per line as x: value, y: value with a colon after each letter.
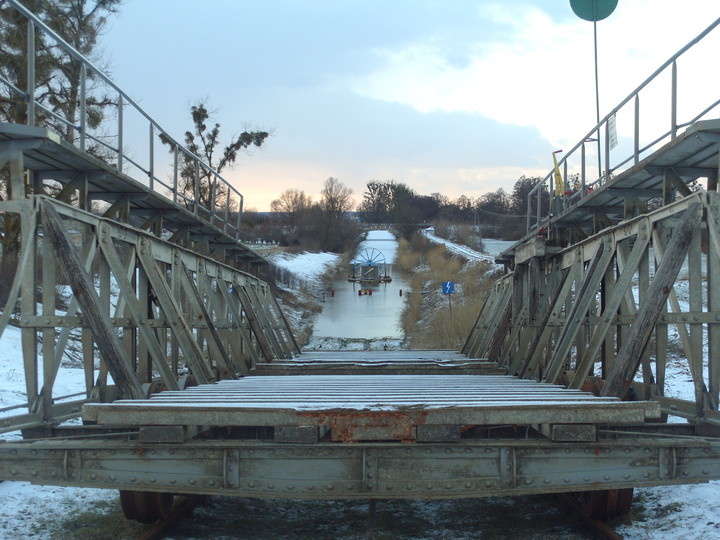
x: 347, y: 314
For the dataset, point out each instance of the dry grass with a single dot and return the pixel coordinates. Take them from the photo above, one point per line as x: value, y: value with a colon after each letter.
x: 430, y: 319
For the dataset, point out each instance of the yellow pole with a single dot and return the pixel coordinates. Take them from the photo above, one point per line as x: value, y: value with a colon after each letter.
x: 559, y: 184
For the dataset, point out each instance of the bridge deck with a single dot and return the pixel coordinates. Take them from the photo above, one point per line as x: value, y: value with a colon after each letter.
x: 372, y: 407
x: 380, y: 362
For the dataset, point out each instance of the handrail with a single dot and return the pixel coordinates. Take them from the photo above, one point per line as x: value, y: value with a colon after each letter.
x: 535, y: 217
x: 215, y: 211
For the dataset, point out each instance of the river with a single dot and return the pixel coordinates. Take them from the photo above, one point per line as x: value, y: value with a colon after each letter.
x: 347, y: 314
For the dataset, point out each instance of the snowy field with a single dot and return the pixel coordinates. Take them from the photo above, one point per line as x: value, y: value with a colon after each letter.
x: 39, y: 512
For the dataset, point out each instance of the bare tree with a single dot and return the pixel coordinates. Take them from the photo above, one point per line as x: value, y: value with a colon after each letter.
x: 335, y: 201
x: 202, y: 142
x: 292, y: 205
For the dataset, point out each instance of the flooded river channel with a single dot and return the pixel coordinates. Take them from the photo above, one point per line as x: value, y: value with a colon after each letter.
x: 348, y: 314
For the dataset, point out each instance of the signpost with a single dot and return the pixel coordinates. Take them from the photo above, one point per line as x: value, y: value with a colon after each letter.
x: 594, y: 11
x: 448, y: 288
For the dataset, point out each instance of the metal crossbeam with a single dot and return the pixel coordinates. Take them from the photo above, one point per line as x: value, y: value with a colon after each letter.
x: 365, y: 470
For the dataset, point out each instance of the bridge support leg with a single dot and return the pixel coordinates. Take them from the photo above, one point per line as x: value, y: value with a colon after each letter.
x: 606, y: 504
x: 146, y: 506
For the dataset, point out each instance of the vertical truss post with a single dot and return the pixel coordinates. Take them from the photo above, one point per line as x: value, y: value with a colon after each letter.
x: 84, y: 289
x: 631, y: 351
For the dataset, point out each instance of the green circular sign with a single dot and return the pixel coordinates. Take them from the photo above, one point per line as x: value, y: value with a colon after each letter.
x: 593, y: 10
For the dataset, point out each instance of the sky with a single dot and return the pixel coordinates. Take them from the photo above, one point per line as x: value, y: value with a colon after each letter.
x: 452, y: 96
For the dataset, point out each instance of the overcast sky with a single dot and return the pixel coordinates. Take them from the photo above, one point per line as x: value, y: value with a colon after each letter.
x: 450, y: 96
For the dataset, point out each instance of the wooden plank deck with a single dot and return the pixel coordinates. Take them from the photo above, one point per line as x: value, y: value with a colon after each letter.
x: 416, y: 362
x: 358, y: 407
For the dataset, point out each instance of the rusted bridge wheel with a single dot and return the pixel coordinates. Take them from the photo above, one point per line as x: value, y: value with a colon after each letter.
x: 607, y: 503
x: 146, y: 506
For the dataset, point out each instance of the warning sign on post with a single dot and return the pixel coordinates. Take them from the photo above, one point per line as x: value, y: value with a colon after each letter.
x: 448, y: 287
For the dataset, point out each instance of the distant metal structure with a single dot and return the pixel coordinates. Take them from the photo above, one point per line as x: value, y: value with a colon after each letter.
x: 370, y: 267
x: 194, y: 383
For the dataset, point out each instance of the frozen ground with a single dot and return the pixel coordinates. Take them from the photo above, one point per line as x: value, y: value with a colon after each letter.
x: 39, y: 512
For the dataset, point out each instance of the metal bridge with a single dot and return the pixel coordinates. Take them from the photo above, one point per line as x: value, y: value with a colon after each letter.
x: 194, y: 383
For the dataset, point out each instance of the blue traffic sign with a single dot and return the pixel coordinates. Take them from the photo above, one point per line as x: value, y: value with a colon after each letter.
x: 448, y: 287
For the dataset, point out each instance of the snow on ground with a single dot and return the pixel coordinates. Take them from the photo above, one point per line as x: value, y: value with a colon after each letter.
x: 301, y: 270
x: 691, y: 511
x: 493, y: 248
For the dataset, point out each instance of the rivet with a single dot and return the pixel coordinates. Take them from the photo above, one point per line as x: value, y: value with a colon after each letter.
x: 271, y: 486
x: 153, y: 480
x: 291, y: 487
x: 93, y: 476
x: 606, y: 477
x: 172, y: 481
x: 132, y: 478
x: 546, y: 481
x: 192, y: 482
x: 330, y: 487
x: 626, y: 476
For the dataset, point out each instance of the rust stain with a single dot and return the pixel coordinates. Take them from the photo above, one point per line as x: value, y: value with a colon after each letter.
x: 357, y: 426
x: 141, y: 452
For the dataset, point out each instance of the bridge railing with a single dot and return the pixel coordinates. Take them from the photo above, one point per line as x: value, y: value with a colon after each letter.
x: 116, y: 129
x: 592, y: 161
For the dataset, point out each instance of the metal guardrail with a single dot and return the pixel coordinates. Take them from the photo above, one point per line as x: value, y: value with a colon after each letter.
x: 575, y: 162
x: 225, y: 203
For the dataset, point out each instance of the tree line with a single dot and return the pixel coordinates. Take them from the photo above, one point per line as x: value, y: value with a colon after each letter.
x: 331, y: 225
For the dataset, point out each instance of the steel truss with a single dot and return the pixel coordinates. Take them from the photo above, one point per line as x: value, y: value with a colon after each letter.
x: 160, y: 316
x: 571, y: 315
